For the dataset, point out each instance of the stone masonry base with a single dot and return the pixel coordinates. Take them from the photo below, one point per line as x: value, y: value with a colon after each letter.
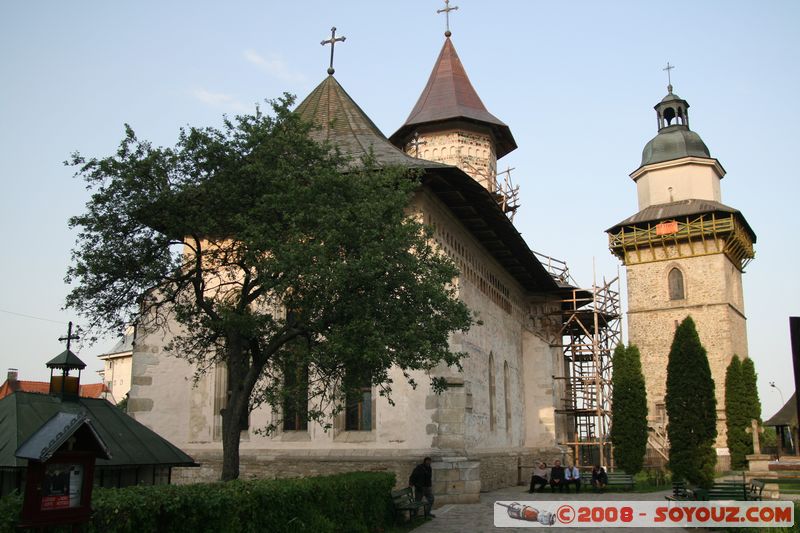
x: 456, y: 478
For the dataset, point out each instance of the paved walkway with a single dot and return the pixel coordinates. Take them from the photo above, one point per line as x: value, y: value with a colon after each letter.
x: 479, y: 517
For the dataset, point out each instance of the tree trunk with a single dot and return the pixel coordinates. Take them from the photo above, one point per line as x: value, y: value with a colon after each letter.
x: 230, y: 444
x: 237, y: 406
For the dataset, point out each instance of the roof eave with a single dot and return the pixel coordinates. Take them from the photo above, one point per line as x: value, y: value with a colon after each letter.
x: 707, y: 161
x: 504, y: 140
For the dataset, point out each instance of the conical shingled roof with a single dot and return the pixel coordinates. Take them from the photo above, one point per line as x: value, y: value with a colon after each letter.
x: 340, y: 121
x: 449, y: 95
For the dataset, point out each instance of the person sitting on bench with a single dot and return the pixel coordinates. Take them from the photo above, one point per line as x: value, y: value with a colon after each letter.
x: 599, y: 477
x: 572, y: 476
x: 557, y: 477
x: 539, y: 477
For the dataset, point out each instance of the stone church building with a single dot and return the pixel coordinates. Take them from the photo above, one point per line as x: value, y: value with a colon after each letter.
x: 684, y: 253
x: 499, y: 413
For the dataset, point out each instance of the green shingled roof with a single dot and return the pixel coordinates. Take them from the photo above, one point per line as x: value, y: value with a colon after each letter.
x: 66, y: 359
x: 674, y: 142
x: 128, y: 441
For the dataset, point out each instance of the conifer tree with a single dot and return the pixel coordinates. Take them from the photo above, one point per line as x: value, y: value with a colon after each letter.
x: 739, y: 442
x: 628, y: 410
x: 750, y: 389
x: 691, y: 408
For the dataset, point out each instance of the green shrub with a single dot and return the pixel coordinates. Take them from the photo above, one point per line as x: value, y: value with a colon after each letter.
x: 357, y: 502
x: 10, y: 507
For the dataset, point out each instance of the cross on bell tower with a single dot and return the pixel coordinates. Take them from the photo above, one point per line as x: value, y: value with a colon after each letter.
x: 332, y: 41
x: 64, y: 385
x: 446, y: 10
x: 668, y: 68
x: 70, y: 336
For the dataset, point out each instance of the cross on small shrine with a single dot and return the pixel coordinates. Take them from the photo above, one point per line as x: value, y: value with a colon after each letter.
x: 416, y: 143
x: 332, y: 41
x: 69, y: 337
x: 446, y: 10
x: 668, y: 68
x: 755, y: 429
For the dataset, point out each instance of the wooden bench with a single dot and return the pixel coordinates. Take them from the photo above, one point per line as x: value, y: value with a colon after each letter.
x: 621, y: 480
x: 728, y: 490
x: 786, y: 485
x: 680, y: 492
x: 403, y: 500
x: 616, y: 480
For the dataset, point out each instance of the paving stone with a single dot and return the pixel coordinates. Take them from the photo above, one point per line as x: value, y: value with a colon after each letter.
x: 479, y: 517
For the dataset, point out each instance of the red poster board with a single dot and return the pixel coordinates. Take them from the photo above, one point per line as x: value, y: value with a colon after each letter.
x: 59, y: 491
x: 666, y: 228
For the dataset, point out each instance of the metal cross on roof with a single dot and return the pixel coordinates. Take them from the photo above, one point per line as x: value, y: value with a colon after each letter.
x: 70, y: 336
x: 416, y: 143
x: 332, y: 41
x: 446, y: 10
x: 669, y: 77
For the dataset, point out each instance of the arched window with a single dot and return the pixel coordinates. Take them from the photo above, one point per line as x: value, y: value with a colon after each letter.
x: 669, y: 115
x: 491, y: 391
x: 358, y: 402
x: 295, y: 382
x: 676, y: 288
x: 295, y: 404
x: 507, y: 393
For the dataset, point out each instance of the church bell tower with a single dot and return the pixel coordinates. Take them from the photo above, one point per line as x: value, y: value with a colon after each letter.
x: 684, y: 252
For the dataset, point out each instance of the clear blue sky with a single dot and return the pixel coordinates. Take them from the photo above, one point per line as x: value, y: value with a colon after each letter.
x: 575, y: 81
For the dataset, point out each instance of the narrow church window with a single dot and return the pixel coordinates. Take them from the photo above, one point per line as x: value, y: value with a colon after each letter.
x: 358, y: 403
x: 491, y: 391
x: 220, y: 399
x: 676, y: 289
x: 295, y: 403
x: 295, y: 383
x: 507, y: 393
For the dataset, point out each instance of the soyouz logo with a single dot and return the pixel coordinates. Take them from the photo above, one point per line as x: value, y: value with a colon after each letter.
x: 603, y: 514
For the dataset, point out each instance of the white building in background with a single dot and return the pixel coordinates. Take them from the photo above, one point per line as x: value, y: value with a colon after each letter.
x: 117, y: 367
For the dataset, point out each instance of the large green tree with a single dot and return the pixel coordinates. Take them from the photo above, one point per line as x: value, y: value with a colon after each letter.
x: 628, y: 409
x: 255, y: 238
x: 691, y: 408
x: 739, y: 442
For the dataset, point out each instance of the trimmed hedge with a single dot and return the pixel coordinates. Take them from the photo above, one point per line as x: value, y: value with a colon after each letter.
x: 357, y: 502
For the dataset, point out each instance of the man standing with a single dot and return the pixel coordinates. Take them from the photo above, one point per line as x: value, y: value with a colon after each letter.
x: 572, y: 476
x: 422, y: 481
x: 557, y: 477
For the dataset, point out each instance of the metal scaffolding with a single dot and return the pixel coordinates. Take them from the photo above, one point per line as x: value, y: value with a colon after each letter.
x: 591, y: 328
